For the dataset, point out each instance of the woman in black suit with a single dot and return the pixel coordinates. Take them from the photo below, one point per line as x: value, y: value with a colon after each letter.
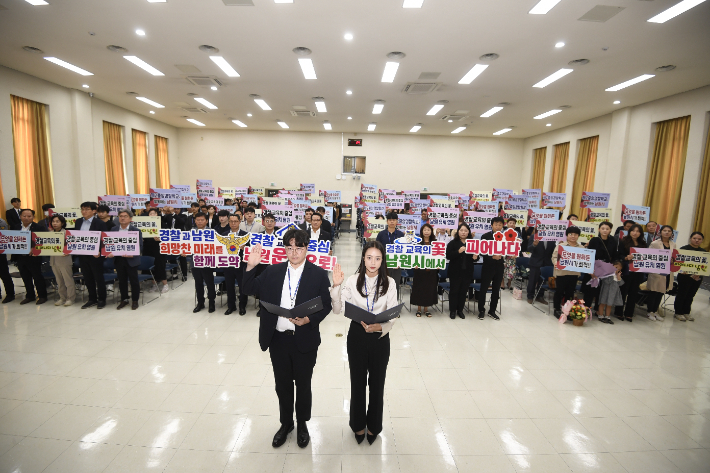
x: 460, y: 270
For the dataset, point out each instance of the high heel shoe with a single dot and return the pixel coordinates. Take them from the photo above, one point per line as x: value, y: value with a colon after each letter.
x: 371, y: 438
x: 360, y: 437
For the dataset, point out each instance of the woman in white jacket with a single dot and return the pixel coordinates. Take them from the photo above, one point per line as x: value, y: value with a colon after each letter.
x: 659, y: 284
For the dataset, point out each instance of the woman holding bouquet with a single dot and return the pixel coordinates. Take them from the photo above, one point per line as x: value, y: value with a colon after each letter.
x: 565, y: 281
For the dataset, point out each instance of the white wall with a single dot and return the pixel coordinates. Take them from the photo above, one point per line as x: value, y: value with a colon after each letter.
x: 76, y: 138
x: 626, y: 149
x: 401, y: 162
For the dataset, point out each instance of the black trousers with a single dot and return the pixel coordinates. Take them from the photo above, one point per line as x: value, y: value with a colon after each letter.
x: 30, y: 268
x: 183, y: 265
x: 159, y: 266
x: 591, y: 294
x: 564, y: 288
x: 491, y: 273
x: 459, y: 289
x: 5, y: 276
x: 230, y: 276
x: 631, y: 283
x: 92, y: 270
x: 204, y: 277
x: 534, y: 282
x: 687, y: 288
x: 368, y: 354
x: 291, y: 365
x: 127, y: 273
x: 653, y: 301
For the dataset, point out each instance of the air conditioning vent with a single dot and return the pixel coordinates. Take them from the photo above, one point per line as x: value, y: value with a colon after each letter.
x: 204, y: 81
x: 455, y: 118
x: 416, y: 88
x: 193, y: 109
x: 303, y: 113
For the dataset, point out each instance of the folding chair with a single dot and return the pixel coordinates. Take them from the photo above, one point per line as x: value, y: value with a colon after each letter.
x: 171, y: 264
x: 147, y: 264
x: 445, y: 286
x: 110, y: 276
x: 546, y: 272
x: 408, y: 277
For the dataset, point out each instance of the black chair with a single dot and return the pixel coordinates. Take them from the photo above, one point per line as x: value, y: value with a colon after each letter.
x: 546, y: 272
x: 445, y: 286
x: 147, y: 264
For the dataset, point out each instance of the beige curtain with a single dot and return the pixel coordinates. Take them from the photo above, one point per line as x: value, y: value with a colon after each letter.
x: 33, y: 156
x: 558, y: 182
x: 113, y: 159
x: 702, y: 210
x: 162, y: 165
x: 360, y: 165
x: 584, y: 171
x: 665, y: 181
x: 141, y: 182
x: 538, y: 174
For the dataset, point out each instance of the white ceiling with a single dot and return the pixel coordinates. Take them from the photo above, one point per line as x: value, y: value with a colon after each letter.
x: 445, y: 36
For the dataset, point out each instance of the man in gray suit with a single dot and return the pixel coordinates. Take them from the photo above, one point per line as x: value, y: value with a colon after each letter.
x: 127, y: 266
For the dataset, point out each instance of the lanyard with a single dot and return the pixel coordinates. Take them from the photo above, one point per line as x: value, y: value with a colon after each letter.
x: 389, y: 236
x: 292, y: 297
x: 367, y: 296
x: 252, y: 226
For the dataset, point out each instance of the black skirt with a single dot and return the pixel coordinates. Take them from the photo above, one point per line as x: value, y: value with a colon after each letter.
x: 424, y: 288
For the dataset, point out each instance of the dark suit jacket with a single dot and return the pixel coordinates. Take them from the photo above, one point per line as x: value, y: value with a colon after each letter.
x: 34, y: 227
x: 12, y: 217
x: 323, y: 235
x: 97, y: 225
x: 268, y: 286
x: 327, y: 226
x: 488, y: 260
x: 136, y: 260
x: 540, y: 255
x: 304, y: 225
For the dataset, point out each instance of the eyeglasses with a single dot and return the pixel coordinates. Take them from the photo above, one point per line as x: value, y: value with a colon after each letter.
x: 297, y: 249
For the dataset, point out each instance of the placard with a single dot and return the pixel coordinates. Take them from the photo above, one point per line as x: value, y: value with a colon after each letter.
x: 442, y: 217
x: 82, y: 242
x: 460, y: 199
x: 206, y: 192
x: 588, y: 230
x: 445, y: 203
x: 487, y: 206
x: 364, y: 188
x: 368, y: 197
x: 503, y: 244
x: 517, y: 202
x: 180, y: 187
x: 479, y: 222
x: 394, y: 202
x: 120, y: 243
x: 301, y: 205
x: 573, y: 258
x: 15, y: 242
x: 691, y: 262
x: 47, y: 244
x: 408, y: 223
x: 554, y: 199
x: 70, y: 215
x: 520, y: 216
x: 149, y: 226
x: 204, y: 183
x: 187, y: 199
x: 408, y: 255
x: 227, y: 192
x: 501, y: 194
x: 476, y: 196
x: 137, y: 201
x: 638, y: 213
x: 551, y: 230
x: 114, y: 202
x: 597, y: 216
x: 261, y: 191
x: 535, y: 214
x: 311, y: 188
x: 372, y: 226
x: 594, y: 200
x: 417, y: 205
x: 282, y: 213
x: 376, y: 208
x: 331, y: 196
x: 409, y: 195
x: 163, y: 197
x: 648, y: 260
x: 218, y: 202
x: 533, y: 195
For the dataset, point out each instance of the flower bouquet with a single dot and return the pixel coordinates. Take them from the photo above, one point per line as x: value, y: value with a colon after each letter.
x: 575, y: 310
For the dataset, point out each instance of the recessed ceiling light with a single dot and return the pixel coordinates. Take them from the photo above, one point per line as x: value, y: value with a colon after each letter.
x: 459, y: 129
x: 37, y: 2
x: 560, y: 45
x: 152, y: 112
x: 239, y: 123
x: 262, y: 104
x: 415, y: 128
x: 140, y: 32
x: 504, y: 130
x: 206, y: 103
x: 157, y: 1
x: 390, y: 71
x: 309, y: 71
x: 435, y: 109
x: 327, y: 126
x: 225, y: 66
x: 492, y: 111
x: 350, y: 118
x: 144, y: 65
x: 377, y: 108
x: 150, y: 102
x: 675, y: 10
x: 348, y: 36
x: 371, y: 127
x: 213, y: 87
x: 547, y: 114
x: 549, y: 124
x: 282, y: 124
x: 451, y: 121
x: 543, y: 6
x: 71, y: 67
x: 617, y: 102
x: 320, y: 105
x: 412, y: 3
x: 198, y: 123
x: 552, y: 78
x: 248, y: 114
x: 283, y: 1
x: 86, y: 86
x: 473, y: 73
x: 633, y: 81
x: 349, y: 92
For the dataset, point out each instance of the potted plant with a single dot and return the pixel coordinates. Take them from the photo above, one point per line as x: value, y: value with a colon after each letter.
x: 575, y: 310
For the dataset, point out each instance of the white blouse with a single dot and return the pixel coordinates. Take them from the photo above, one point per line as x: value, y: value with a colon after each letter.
x: 350, y: 294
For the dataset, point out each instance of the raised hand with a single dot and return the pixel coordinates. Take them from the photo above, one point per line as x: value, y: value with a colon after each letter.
x: 338, y: 275
x: 254, y: 257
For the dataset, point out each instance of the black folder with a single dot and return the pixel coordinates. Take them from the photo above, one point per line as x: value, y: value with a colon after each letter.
x: 357, y: 314
x: 300, y: 311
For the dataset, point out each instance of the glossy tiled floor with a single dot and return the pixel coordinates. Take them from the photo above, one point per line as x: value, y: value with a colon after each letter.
x: 162, y: 389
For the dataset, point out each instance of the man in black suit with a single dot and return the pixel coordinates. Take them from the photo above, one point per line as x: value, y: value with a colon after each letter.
x: 172, y: 218
x: 540, y: 255
x: 92, y: 267
x: 203, y: 276
x: 491, y: 274
x: 317, y: 232
x: 306, y: 225
x: 325, y: 224
x: 12, y: 216
x: 30, y: 267
x: 292, y: 343
x: 127, y: 266
x: 232, y: 274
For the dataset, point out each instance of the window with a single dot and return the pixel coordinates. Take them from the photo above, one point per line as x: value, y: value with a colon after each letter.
x: 354, y: 164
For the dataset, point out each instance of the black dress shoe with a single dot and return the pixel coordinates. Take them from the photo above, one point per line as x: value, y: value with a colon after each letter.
x: 460, y: 314
x: 8, y: 298
x: 481, y: 315
x: 281, y: 435
x: 360, y: 437
x: 242, y: 311
x: 558, y: 313
x: 89, y: 304
x: 371, y: 438
x: 228, y: 311
x: 26, y: 300
x: 101, y: 304
x: 198, y: 308
x: 184, y: 278
x: 212, y: 308
x: 122, y: 305
x: 452, y: 315
x: 134, y: 305
x: 41, y: 300
x: 302, y: 435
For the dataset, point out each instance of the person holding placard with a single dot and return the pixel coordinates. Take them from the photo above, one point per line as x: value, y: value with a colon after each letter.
x: 659, y: 284
x: 651, y: 228
x: 30, y: 267
x: 12, y: 215
x: 492, y: 272
x: 368, y: 345
x: 460, y: 271
x: 92, y: 267
x: 223, y: 227
x: 102, y: 212
x: 607, y: 250
x: 306, y: 224
x: 632, y: 279
x: 62, y: 266
x: 688, y: 284
x: 212, y: 219
x: 388, y: 236
x: 327, y: 227
x: 203, y: 276
x: 151, y: 247
x: 540, y: 256
x: 425, y: 281
x: 249, y: 225
x: 127, y: 266
x: 565, y: 280
x: 509, y: 261
x: 232, y: 274
x: 317, y: 233
x: 5, y: 271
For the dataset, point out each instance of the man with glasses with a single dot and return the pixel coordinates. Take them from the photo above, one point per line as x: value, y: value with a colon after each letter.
x: 232, y: 274
x: 292, y: 343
